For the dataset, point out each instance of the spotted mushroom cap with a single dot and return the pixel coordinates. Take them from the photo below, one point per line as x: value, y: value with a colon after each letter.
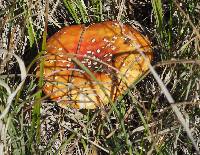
x: 109, y: 50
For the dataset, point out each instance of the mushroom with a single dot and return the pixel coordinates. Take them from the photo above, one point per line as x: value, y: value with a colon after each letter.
x: 108, y: 50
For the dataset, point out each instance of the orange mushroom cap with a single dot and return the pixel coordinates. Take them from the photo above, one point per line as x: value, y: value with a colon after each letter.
x: 106, y: 50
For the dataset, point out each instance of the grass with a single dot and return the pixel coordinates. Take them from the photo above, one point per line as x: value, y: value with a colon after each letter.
x: 148, y: 119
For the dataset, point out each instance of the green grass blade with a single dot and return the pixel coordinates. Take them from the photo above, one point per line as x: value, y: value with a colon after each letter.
x: 72, y: 10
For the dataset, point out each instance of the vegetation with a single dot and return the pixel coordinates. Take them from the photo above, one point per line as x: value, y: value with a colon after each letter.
x: 154, y: 116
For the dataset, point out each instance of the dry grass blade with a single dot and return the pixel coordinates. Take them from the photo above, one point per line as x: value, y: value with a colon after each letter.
x: 12, y: 95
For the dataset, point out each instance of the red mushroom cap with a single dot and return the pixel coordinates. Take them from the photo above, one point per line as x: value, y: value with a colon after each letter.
x: 108, y: 50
